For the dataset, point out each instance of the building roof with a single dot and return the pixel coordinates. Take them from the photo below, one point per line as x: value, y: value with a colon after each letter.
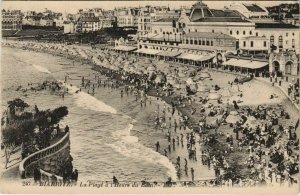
x: 225, y: 13
x: 221, y: 19
x: 254, y: 8
x: 166, y: 20
x: 208, y: 35
x: 89, y: 19
x: 200, y: 10
x: 276, y: 25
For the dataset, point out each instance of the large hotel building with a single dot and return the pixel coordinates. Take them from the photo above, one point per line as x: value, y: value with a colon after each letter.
x: 240, y: 36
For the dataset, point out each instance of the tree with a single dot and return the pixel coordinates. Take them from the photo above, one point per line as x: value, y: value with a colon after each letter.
x: 9, y: 142
x: 13, y: 135
x: 20, y: 130
x: 16, y: 103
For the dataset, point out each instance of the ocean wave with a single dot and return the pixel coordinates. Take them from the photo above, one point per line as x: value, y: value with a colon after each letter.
x: 129, y: 146
x: 41, y: 69
x: 88, y: 101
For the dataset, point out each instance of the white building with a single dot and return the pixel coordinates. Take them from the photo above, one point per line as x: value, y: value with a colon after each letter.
x: 253, y: 44
x: 69, y: 27
x: 284, y: 36
x: 127, y: 17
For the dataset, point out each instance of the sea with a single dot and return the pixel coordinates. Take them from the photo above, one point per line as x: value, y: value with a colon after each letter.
x: 110, y: 136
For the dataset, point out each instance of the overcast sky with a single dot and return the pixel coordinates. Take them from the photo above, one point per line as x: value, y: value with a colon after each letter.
x: 73, y: 6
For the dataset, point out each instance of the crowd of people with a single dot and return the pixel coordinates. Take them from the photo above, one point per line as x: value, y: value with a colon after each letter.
x: 261, y: 135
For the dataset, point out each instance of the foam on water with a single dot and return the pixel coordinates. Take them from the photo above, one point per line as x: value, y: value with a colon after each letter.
x: 88, y: 101
x: 129, y: 146
x: 41, y: 69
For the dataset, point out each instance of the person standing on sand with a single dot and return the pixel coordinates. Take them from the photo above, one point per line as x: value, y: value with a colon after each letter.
x: 173, y: 140
x: 166, y: 153
x: 192, y: 173
x: 157, y: 146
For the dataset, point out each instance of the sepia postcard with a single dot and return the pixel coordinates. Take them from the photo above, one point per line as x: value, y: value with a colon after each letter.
x: 150, y: 97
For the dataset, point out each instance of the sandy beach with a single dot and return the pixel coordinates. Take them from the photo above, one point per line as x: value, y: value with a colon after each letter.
x: 249, y: 95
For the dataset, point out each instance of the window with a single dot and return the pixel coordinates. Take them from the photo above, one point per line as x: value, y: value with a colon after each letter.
x: 272, y: 40
x: 286, y: 42
x: 187, y: 42
x: 211, y: 43
x: 195, y: 30
x: 280, y: 41
x: 207, y: 42
x: 213, y: 31
x: 203, y: 42
x: 244, y: 32
x: 191, y: 42
x: 250, y: 33
x: 251, y: 44
x: 287, y: 34
x: 244, y: 43
x: 237, y: 32
x: 195, y: 42
x: 293, y: 43
x: 256, y: 34
x: 265, y: 43
x: 230, y: 32
x: 199, y: 42
x: 293, y: 34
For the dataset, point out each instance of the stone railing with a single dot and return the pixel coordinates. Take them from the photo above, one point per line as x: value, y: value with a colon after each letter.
x: 42, y: 154
x: 48, y: 176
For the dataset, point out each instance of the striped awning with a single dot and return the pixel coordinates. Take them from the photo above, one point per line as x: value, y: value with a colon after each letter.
x: 148, y: 51
x: 195, y: 57
x: 124, y: 48
x: 169, y: 53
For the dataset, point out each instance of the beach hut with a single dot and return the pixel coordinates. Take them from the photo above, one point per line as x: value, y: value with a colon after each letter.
x: 194, y: 87
x: 226, y: 93
x: 159, y: 78
x: 204, y: 75
x: 181, y: 75
x: 151, y: 68
x: 235, y: 87
x: 189, y: 81
x: 213, y: 95
x: 202, y: 87
x: 233, y: 117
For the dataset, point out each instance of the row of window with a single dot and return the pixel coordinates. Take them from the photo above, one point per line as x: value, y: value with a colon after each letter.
x: 199, y: 42
x: 250, y: 33
x: 252, y: 44
x: 11, y: 22
x: 145, y: 20
x: 10, y: 27
x: 280, y: 41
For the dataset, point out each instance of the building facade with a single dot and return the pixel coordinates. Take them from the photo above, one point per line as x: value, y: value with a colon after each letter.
x: 11, y: 20
x: 127, y: 17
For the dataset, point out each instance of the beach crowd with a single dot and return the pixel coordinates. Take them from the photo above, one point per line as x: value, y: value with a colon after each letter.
x: 243, y: 145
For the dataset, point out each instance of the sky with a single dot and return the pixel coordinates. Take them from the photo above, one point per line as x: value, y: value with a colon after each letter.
x: 73, y: 6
